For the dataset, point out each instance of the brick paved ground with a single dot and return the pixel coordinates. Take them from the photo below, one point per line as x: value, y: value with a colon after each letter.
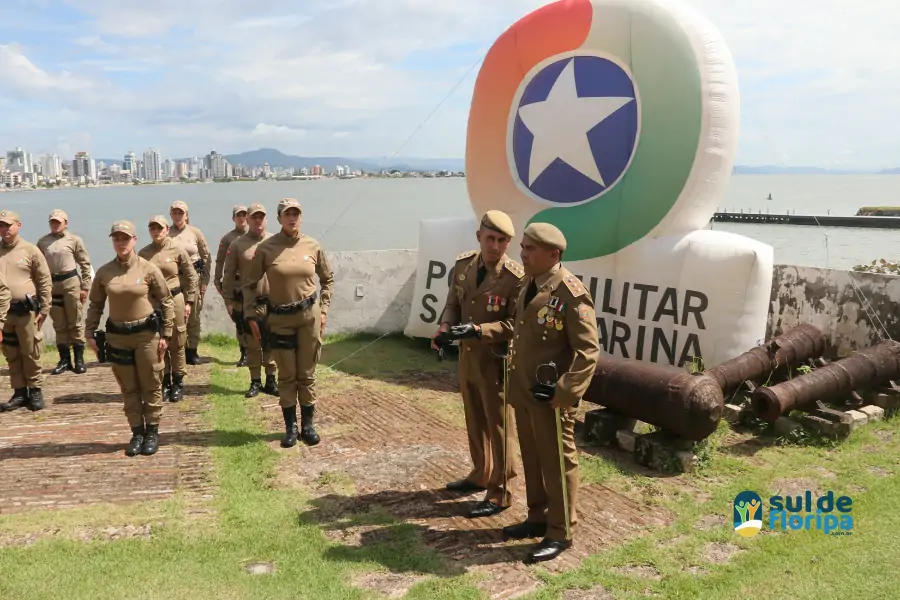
x: 399, y: 453
x: 72, y: 452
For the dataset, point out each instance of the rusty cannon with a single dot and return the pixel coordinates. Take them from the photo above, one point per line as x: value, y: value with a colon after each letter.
x: 792, y: 348
x: 687, y: 405
x: 872, y: 367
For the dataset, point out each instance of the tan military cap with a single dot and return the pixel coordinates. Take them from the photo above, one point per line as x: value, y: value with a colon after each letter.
x: 179, y: 205
x: 287, y: 203
x: 158, y: 220
x: 256, y: 207
x: 9, y: 217
x: 122, y: 227
x: 498, y: 221
x: 235, y: 209
x: 547, y: 234
x: 58, y: 215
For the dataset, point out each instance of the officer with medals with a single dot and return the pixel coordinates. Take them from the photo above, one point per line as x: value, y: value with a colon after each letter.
x: 554, y: 353
x: 234, y: 306
x: 484, y: 287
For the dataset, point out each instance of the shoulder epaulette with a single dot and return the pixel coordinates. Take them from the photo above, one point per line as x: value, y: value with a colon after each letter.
x: 466, y: 255
x: 515, y: 268
x: 574, y: 285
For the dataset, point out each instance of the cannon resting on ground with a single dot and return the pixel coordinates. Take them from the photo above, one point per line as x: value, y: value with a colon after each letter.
x: 776, y: 356
x: 671, y: 398
x: 872, y: 367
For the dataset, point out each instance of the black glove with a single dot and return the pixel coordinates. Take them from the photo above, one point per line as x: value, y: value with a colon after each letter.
x: 543, y: 392
x: 463, y: 332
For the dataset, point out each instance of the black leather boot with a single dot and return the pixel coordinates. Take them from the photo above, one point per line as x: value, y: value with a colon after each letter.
x: 191, y: 357
x: 151, y: 440
x: 255, y: 386
x: 19, y: 397
x: 35, y: 399
x: 137, y: 439
x: 177, y: 391
x: 65, y: 360
x: 167, y: 386
x: 78, y: 350
x: 290, y: 426
x: 243, y: 360
x: 271, y: 386
x: 307, y: 431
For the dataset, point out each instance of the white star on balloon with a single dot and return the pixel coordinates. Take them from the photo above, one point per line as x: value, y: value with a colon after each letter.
x: 560, y: 125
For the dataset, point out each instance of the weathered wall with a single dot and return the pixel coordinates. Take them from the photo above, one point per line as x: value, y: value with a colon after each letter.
x: 839, y: 303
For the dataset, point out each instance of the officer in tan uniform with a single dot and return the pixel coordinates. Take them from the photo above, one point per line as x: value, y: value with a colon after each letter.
x: 237, y: 263
x: 239, y: 216
x: 28, y: 278
x: 555, y: 350
x: 70, y: 271
x: 184, y: 285
x: 137, y: 336
x: 291, y: 261
x: 5, y: 298
x: 484, y: 288
x: 194, y: 242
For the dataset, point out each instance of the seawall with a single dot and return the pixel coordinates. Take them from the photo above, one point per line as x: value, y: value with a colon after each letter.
x: 374, y: 292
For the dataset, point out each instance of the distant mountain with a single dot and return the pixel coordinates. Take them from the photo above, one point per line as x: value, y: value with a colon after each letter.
x: 890, y: 171
x: 773, y: 170
x: 276, y: 159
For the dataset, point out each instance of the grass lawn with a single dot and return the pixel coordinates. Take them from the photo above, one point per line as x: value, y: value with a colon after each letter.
x: 255, y: 519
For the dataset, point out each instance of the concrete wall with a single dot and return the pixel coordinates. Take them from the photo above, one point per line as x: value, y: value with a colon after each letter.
x: 374, y: 291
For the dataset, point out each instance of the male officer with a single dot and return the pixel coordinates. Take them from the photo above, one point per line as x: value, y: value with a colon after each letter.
x: 70, y: 272
x: 239, y: 216
x: 28, y: 278
x: 238, y: 258
x: 555, y: 350
x: 484, y: 288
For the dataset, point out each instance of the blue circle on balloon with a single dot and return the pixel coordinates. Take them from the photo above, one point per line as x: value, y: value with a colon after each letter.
x: 611, y: 142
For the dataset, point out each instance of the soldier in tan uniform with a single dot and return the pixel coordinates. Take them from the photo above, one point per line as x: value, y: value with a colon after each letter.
x: 484, y: 288
x: 28, y: 277
x: 5, y: 299
x: 239, y: 216
x: 291, y: 261
x: 194, y: 242
x: 184, y: 284
x: 137, y: 336
x: 70, y: 271
x: 555, y: 350
x: 237, y: 263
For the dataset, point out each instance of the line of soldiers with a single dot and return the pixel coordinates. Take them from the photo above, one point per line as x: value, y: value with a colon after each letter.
x: 528, y: 341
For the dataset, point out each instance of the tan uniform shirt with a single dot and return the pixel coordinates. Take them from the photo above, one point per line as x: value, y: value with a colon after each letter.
x: 5, y: 297
x: 238, y: 259
x: 558, y: 325
x: 192, y: 240
x: 175, y: 265
x: 129, y: 287
x: 26, y: 272
x: 66, y: 252
x: 489, y: 304
x: 290, y: 264
x: 224, y: 245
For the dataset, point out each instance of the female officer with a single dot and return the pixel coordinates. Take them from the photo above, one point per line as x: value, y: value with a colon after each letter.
x: 136, y: 335
x: 195, y: 244
x: 290, y: 261
x: 184, y: 284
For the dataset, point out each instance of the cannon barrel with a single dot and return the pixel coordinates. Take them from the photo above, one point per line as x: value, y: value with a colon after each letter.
x: 871, y: 367
x: 791, y: 348
x: 687, y: 405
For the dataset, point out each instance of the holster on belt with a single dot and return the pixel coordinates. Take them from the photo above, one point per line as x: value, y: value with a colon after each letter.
x: 100, y: 338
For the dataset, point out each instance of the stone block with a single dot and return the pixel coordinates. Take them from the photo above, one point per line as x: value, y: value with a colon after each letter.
x: 859, y: 418
x: 826, y: 427
x: 889, y: 402
x: 732, y: 414
x: 626, y: 439
x: 661, y: 451
x: 874, y: 413
x: 601, y: 425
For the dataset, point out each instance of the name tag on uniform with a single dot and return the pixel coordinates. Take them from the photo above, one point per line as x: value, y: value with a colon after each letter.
x: 551, y: 314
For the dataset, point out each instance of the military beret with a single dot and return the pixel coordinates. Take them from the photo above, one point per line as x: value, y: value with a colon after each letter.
x: 238, y: 208
x: 180, y: 205
x: 498, y: 221
x: 122, y: 227
x: 159, y: 220
x: 287, y: 203
x: 9, y: 217
x: 58, y: 215
x: 256, y: 207
x: 547, y: 234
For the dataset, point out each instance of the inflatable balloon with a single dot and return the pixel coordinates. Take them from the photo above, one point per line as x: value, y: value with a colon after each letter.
x: 617, y: 121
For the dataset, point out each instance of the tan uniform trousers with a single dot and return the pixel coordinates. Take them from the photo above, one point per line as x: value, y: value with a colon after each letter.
x: 257, y: 356
x: 237, y: 307
x: 23, y: 345
x: 67, y: 312
x: 482, y: 395
x: 193, y: 324
x: 536, y: 425
x: 175, y: 361
x: 296, y: 366
x: 140, y: 382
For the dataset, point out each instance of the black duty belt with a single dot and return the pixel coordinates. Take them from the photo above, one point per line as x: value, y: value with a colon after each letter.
x: 64, y: 276
x: 175, y: 291
x: 151, y: 323
x: 198, y: 266
x: 23, y: 307
x: 293, y: 307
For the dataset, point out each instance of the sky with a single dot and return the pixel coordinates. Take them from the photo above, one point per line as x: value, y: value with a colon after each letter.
x: 819, y: 79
